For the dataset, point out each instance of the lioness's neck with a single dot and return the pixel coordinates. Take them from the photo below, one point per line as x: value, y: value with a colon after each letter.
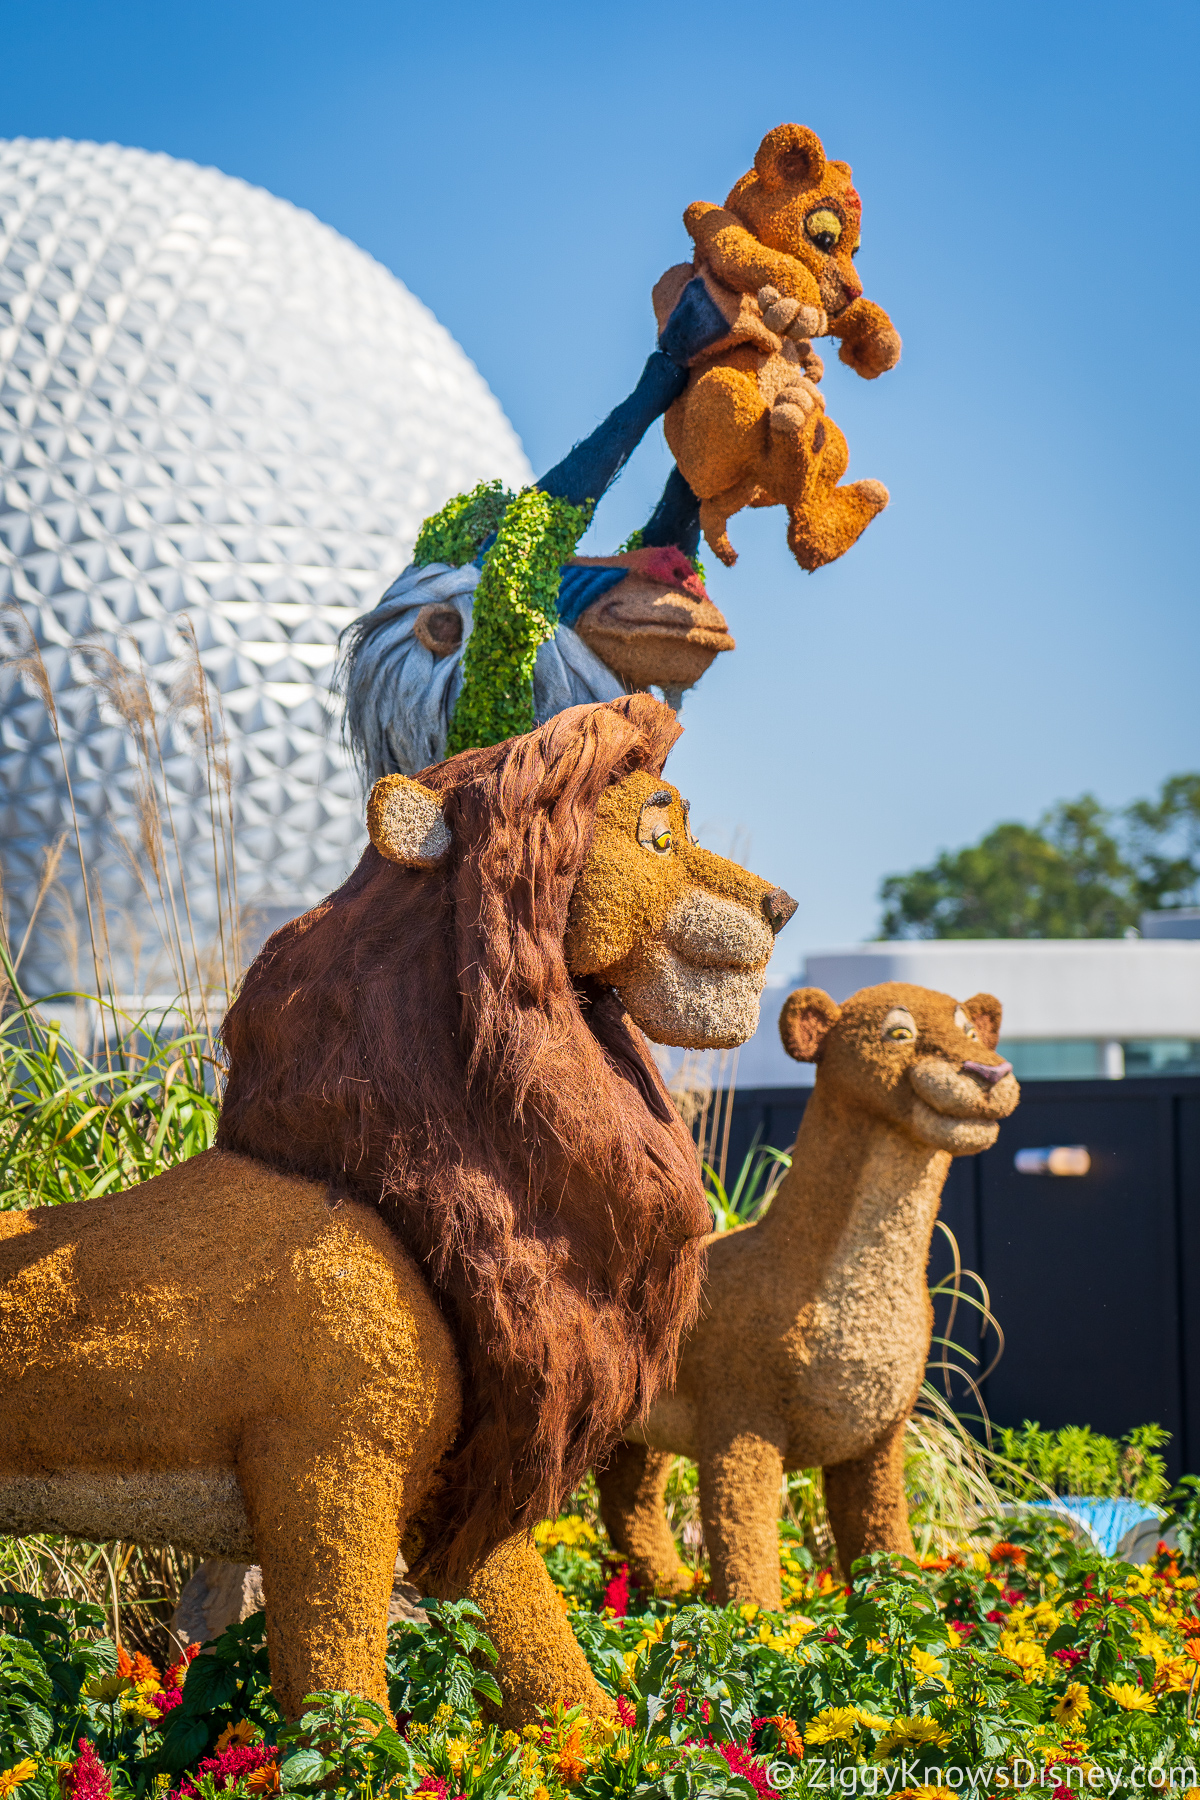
x: 856, y: 1180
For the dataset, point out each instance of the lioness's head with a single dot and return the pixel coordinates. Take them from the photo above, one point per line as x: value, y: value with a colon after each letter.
x: 919, y: 1058
x: 682, y: 935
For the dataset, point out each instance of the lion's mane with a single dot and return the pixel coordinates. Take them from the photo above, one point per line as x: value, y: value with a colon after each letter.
x: 418, y: 1041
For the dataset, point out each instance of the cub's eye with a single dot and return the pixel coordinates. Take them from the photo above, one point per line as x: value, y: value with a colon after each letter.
x: 963, y: 1021
x: 899, y: 1027
x: 824, y: 228
x: 662, y: 841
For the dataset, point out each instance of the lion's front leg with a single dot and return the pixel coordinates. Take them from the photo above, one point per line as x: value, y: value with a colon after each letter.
x: 540, y: 1663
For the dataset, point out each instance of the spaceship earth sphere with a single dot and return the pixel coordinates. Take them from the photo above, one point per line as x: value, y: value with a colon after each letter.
x: 215, y: 412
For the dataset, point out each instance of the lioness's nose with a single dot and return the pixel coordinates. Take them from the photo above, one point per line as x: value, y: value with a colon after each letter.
x: 989, y: 1072
x: 779, y: 908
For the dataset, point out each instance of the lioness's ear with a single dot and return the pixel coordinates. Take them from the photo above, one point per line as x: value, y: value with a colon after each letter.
x: 805, y: 1021
x: 790, y: 156
x: 985, y: 1013
x: 406, y: 824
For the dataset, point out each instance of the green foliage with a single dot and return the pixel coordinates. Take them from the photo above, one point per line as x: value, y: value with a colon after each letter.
x: 1077, y: 1460
x: 514, y: 611
x: 231, y: 1681
x: 72, y: 1127
x: 347, y: 1743
x: 1082, y: 871
x: 455, y: 534
x: 431, y: 1665
x: 47, y: 1660
x: 754, y: 1186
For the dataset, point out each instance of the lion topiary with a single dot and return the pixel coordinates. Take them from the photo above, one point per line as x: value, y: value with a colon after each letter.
x: 775, y: 265
x: 450, y: 1233
x: 815, y: 1324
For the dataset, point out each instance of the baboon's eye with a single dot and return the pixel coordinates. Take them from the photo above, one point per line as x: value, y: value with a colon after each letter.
x: 824, y: 228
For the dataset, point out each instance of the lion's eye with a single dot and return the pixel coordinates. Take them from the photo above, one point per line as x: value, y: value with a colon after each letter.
x: 963, y: 1021
x: 662, y: 841
x: 824, y: 228
x: 899, y: 1027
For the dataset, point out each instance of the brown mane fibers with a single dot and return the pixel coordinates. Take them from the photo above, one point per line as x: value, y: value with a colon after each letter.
x: 418, y: 1042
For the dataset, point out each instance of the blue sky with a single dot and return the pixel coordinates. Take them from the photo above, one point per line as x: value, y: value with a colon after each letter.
x: 1022, y: 623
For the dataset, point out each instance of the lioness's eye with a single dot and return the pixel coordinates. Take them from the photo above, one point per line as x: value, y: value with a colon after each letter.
x: 662, y: 841
x: 824, y: 228
x: 963, y: 1021
x: 899, y: 1034
x: 899, y: 1027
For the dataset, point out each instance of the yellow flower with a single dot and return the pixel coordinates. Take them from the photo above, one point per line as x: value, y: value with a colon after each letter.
x: 1069, y: 1710
x: 750, y: 1611
x: 1029, y: 1657
x: 20, y: 1772
x: 138, y: 1706
x: 981, y: 1563
x: 834, y: 1723
x: 917, y: 1733
x: 926, y: 1665
x: 457, y: 1749
x: 1138, y: 1584
x: 541, y: 1793
x: 1130, y: 1698
x: 572, y: 1531
x: 872, y: 1721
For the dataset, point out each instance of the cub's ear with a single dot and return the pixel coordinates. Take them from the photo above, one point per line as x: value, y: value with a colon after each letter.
x: 985, y: 1013
x: 805, y: 1021
x: 406, y: 824
x: 790, y: 156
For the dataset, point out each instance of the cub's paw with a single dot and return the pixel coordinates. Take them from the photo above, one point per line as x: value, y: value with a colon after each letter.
x: 796, y: 407
x: 790, y: 318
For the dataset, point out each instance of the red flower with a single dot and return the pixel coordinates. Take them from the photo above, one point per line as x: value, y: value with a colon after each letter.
x: 616, y: 1594
x: 87, y: 1778
x: 626, y: 1712
x: 742, y: 1761
x: 1069, y: 1657
x: 175, y: 1674
x: 433, y: 1784
x: 830, y: 1636
x: 231, y: 1765
x: 994, y: 1617
x: 680, y: 1705
x: 167, y: 1701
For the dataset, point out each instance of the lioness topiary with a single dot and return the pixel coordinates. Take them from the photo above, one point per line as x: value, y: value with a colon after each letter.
x: 451, y: 1231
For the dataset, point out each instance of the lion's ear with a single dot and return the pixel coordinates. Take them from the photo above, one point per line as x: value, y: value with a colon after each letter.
x: 406, y: 824
x: 790, y: 156
x: 985, y: 1013
x: 807, y: 1017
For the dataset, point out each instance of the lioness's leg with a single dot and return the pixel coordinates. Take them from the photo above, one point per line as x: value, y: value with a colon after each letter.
x: 326, y: 1520
x: 540, y: 1665
x: 740, y: 1473
x: 866, y: 1502
x: 633, y: 1484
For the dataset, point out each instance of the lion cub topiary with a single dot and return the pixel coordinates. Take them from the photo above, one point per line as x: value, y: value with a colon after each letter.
x: 750, y: 429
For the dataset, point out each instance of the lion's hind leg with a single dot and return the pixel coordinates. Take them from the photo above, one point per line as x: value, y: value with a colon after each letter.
x: 716, y: 513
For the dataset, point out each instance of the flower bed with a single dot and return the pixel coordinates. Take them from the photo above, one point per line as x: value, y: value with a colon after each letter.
x: 1027, y: 1660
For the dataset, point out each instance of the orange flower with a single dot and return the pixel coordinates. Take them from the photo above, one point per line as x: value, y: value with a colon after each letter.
x: 124, y: 1661
x: 1006, y: 1552
x: 244, y: 1732
x: 144, y: 1670
x: 936, y: 1563
x: 264, y: 1780
x: 569, y: 1762
x: 793, y: 1743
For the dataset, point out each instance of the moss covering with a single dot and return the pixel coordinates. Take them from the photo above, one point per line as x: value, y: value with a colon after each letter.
x: 514, y: 608
x: 455, y: 534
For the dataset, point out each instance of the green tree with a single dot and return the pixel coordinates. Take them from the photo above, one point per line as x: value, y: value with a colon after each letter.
x: 1164, y: 844
x: 1081, y: 871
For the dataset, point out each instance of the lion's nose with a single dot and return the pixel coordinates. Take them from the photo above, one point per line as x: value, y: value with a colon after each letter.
x: 989, y: 1072
x: 779, y: 908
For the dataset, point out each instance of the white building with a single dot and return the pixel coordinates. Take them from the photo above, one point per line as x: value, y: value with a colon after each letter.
x: 1073, y: 1008
x: 212, y: 408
